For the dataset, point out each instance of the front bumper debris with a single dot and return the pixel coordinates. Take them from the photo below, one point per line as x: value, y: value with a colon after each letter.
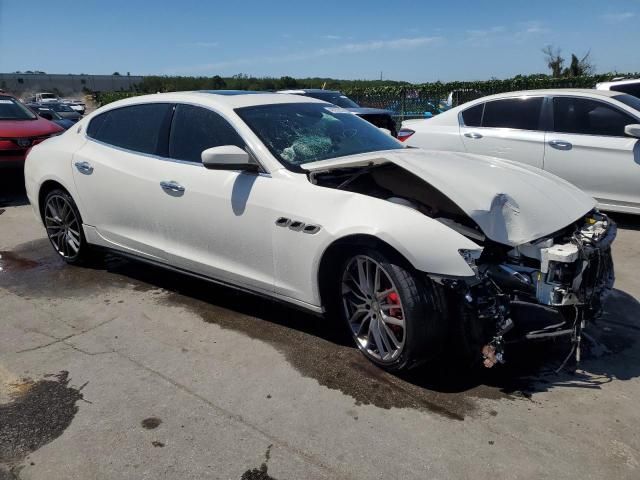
x: 545, y: 289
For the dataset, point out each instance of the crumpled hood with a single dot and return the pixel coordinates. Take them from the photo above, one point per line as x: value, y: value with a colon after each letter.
x: 511, y: 202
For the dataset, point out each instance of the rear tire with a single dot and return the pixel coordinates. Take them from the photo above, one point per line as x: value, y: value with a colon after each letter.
x: 394, y: 314
x: 63, y: 223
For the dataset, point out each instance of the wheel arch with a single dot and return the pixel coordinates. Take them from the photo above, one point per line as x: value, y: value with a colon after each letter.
x: 45, y: 188
x: 337, y: 251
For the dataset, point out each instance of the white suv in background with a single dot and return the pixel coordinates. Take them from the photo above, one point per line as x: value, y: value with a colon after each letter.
x: 588, y: 137
x: 627, y: 85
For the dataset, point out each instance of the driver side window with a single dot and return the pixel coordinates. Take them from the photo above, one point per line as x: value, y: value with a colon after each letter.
x: 195, y: 129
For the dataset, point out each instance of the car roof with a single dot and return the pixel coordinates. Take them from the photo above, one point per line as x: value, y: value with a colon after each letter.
x: 298, y: 91
x: 220, y: 98
x: 583, y: 92
x: 231, y: 92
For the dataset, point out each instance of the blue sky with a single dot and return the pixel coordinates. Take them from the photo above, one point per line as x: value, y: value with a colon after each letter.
x: 417, y: 41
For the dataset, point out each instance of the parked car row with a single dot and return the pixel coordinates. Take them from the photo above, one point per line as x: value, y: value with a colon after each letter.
x: 62, y: 109
x: 45, y: 98
x: 52, y: 115
x: 311, y: 205
x: 20, y: 129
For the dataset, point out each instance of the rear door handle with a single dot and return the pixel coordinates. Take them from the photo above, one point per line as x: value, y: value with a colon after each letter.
x: 172, y: 186
x: 473, y: 135
x: 560, y: 145
x: 84, y: 167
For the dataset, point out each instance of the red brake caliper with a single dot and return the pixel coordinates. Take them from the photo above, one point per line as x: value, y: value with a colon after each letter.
x: 394, y: 299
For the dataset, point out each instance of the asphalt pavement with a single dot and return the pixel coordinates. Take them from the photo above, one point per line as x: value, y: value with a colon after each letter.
x: 128, y: 371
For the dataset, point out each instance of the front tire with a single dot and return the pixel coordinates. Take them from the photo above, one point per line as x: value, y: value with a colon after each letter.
x: 395, y: 316
x: 64, y: 227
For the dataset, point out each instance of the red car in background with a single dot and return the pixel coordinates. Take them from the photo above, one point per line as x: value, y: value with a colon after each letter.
x: 20, y: 129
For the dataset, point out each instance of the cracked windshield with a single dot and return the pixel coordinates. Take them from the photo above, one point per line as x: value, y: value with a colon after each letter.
x: 302, y: 133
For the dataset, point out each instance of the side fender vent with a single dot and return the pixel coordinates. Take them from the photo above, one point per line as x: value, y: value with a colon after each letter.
x: 296, y: 226
x: 283, y: 222
x: 311, y: 229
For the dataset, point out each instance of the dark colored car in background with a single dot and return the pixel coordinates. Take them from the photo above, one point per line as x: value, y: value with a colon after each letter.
x: 20, y: 129
x: 62, y: 109
x: 377, y: 116
x: 53, y: 116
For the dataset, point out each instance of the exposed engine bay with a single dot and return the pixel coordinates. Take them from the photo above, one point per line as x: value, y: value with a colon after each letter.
x: 545, y: 288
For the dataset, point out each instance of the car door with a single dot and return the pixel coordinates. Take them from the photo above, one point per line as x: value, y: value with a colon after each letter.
x: 588, y: 147
x: 217, y: 222
x: 117, y: 174
x: 507, y: 128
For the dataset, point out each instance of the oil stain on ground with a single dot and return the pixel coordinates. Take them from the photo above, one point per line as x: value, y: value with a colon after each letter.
x: 10, y: 261
x: 33, y: 269
x: 38, y: 414
x: 319, y: 348
x: 261, y: 473
x: 151, y: 423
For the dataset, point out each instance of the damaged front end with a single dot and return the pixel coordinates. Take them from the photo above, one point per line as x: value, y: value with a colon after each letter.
x: 542, y: 289
x: 528, y: 282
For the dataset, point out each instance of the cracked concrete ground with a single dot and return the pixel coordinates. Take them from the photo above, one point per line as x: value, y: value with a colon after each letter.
x: 172, y: 378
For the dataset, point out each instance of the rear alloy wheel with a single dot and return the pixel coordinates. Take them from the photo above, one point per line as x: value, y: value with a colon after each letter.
x: 64, y: 226
x: 392, y: 314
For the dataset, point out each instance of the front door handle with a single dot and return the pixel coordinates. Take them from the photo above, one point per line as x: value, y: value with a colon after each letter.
x: 84, y: 167
x: 561, y: 145
x: 172, y: 186
x: 473, y: 135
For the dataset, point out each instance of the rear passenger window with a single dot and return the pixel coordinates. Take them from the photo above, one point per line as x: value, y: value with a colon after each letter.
x: 588, y: 117
x: 472, y: 117
x: 136, y: 128
x: 195, y: 129
x: 520, y: 113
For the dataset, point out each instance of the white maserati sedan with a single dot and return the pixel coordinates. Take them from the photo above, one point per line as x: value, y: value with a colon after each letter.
x: 588, y: 137
x: 301, y: 201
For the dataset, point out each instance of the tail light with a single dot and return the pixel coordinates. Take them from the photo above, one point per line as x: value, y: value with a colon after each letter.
x: 405, y: 133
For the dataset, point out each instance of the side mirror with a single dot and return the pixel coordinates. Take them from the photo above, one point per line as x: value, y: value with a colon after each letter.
x: 228, y: 157
x: 633, y: 130
x: 46, y: 115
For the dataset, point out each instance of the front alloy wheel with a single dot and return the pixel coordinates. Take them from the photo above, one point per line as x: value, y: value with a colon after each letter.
x: 373, y: 308
x: 394, y: 313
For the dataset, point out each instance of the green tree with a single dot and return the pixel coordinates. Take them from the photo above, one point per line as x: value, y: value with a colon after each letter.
x: 554, y: 60
x: 218, y: 83
x: 287, y: 82
x: 579, y: 66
